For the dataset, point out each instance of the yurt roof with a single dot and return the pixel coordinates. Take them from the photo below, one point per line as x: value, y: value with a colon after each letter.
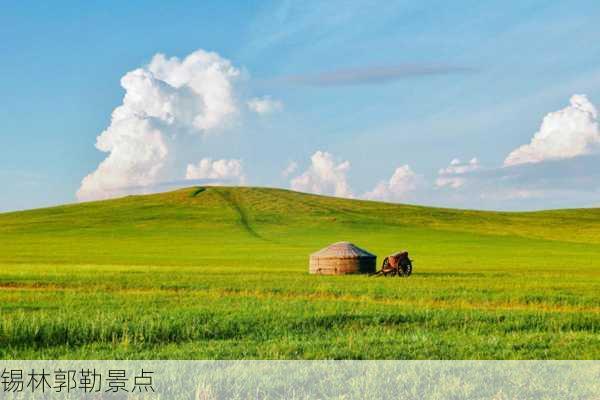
x: 342, y: 250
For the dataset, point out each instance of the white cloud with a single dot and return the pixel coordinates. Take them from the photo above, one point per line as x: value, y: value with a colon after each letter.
x: 290, y: 169
x: 399, y: 187
x: 569, y: 182
x: 137, y: 154
x: 570, y: 132
x: 264, y: 105
x: 165, y: 101
x: 204, y: 83
x: 454, y: 175
x: 222, y: 171
x: 556, y: 169
x: 324, y: 176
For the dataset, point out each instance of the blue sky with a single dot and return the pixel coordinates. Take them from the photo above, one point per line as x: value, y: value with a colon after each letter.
x: 355, y: 92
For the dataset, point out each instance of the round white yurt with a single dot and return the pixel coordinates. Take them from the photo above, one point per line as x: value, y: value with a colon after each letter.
x: 342, y: 258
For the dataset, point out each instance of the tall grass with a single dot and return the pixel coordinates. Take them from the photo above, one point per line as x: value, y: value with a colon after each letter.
x: 222, y: 273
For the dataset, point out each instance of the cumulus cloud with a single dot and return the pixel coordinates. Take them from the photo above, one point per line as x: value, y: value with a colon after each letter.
x: 166, y: 103
x: 264, y: 105
x: 204, y: 89
x: 470, y: 183
x: 167, y: 97
x: 557, y: 168
x: 324, y: 176
x: 399, y: 187
x: 219, y: 171
x: 327, y: 176
x: 137, y: 154
x: 290, y: 169
x: 570, y: 132
x: 568, y: 182
x: 455, y: 174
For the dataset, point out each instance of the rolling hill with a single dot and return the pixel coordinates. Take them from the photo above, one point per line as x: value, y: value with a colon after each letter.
x: 222, y: 273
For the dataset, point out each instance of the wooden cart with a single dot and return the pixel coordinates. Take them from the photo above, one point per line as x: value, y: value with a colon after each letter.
x: 397, y: 264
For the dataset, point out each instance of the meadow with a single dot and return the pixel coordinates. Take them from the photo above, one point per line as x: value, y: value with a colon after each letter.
x: 222, y: 273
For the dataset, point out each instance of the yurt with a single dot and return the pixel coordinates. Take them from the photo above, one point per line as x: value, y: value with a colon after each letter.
x: 342, y: 258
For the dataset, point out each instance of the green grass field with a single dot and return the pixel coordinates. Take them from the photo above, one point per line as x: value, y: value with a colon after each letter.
x: 222, y: 273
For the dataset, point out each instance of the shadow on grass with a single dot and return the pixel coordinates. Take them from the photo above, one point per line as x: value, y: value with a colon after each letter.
x: 198, y: 191
x: 237, y: 207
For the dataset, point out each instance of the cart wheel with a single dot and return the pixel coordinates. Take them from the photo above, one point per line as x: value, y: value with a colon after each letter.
x: 408, y: 268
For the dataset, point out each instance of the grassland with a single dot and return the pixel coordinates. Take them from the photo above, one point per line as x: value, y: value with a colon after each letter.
x: 221, y: 273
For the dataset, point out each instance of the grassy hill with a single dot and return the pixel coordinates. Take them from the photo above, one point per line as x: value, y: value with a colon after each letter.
x: 222, y: 273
